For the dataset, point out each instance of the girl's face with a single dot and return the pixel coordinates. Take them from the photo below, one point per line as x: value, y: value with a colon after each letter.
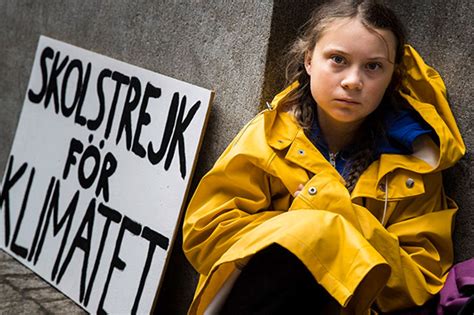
x: 350, y: 68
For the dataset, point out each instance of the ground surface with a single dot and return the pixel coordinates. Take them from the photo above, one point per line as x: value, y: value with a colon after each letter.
x: 23, y: 292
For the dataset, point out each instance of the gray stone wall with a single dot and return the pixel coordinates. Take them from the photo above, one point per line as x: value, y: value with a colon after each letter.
x: 235, y: 48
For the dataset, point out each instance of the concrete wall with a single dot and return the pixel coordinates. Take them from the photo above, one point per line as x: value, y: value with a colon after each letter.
x: 235, y: 48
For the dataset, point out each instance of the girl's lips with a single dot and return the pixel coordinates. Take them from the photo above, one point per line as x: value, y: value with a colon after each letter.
x: 347, y: 101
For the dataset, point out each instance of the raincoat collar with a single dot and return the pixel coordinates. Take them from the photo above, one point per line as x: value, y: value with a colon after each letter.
x: 281, y: 127
x: 284, y: 133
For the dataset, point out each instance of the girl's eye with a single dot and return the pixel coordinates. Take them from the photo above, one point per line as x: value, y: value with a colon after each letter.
x: 338, y: 59
x: 372, y: 66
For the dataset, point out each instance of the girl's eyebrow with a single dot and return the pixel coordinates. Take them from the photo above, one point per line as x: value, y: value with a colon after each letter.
x: 342, y: 52
x: 378, y: 58
x: 335, y: 50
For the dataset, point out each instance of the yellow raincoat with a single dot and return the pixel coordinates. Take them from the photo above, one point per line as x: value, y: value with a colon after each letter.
x: 388, y: 242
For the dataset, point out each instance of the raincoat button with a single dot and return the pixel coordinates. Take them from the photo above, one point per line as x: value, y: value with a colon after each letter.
x: 312, y: 191
x: 280, y: 141
x: 410, y: 183
x: 301, y: 152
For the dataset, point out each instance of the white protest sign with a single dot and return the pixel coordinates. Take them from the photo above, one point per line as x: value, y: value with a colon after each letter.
x: 98, y: 174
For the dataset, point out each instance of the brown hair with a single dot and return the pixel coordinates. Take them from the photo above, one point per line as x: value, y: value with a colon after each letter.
x: 372, y: 15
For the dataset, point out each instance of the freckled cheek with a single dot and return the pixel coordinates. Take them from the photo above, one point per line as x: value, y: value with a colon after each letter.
x: 378, y: 89
x: 323, y: 83
x: 324, y: 78
x: 373, y: 99
x: 384, y: 85
x: 321, y: 96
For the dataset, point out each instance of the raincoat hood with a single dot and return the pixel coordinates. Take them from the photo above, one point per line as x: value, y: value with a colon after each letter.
x: 425, y: 91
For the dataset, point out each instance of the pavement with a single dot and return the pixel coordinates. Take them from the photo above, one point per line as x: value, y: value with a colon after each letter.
x: 23, y: 292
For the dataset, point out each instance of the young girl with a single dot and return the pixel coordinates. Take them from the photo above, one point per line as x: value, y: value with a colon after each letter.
x: 332, y: 199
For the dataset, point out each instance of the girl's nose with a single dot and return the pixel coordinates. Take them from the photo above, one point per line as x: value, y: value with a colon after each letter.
x: 352, y: 80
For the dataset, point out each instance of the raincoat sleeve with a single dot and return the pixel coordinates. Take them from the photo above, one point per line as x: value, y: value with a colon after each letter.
x: 416, y: 243
x: 231, y: 200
